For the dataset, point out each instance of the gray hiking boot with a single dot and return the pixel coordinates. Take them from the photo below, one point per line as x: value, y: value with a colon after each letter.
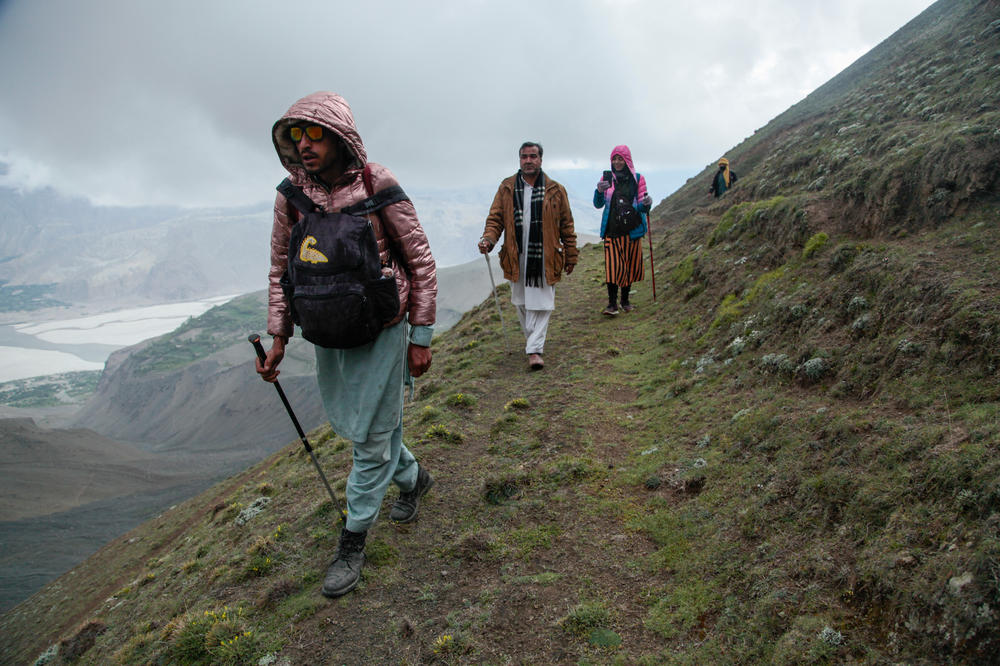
x: 344, y: 572
x: 406, y: 507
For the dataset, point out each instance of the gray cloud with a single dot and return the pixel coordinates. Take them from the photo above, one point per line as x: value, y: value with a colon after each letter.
x: 137, y: 102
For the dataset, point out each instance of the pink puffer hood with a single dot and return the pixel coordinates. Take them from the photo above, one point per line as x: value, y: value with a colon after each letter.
x: 626, y: 155
x: 323, y: 108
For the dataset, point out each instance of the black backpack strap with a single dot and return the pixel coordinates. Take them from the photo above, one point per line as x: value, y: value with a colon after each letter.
x: 296, y: 197
x: 380, y: 199
x: 305, y: 205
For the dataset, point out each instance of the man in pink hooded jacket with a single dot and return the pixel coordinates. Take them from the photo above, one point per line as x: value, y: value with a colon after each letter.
x: 361, y: 387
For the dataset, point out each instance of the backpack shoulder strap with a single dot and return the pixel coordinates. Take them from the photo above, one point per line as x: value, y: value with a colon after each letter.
x: 296, y: 197
x: 380, y: 199
x: 375, y: 200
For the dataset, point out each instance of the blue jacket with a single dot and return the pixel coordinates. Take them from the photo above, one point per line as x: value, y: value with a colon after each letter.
x: 600, y: 200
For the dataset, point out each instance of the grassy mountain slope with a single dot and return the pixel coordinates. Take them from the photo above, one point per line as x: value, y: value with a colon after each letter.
x: 187, y: 396
x: 789, y: 457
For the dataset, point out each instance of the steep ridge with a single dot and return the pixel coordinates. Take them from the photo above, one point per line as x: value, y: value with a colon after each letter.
x: 193, y: 412
x: 85, y: 465
x: 900, y: 140
x: 191, y: 401
x: 789, y: 456
x: 192, y: 392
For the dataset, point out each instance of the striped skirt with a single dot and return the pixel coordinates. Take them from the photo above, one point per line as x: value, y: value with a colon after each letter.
x: 622, y: 260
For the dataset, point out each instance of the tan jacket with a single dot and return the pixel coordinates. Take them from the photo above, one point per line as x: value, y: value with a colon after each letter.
x: 558, y: 236
x: 396, y: 225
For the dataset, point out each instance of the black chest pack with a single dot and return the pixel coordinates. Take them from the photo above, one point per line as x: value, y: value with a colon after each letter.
x: 339, y: 293
x: 623, y: 218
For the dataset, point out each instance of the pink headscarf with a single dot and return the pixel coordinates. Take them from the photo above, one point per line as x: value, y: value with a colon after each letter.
x: 640, y: 182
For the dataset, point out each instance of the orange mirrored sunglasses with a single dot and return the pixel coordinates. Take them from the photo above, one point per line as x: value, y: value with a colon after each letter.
x: 314, y: 132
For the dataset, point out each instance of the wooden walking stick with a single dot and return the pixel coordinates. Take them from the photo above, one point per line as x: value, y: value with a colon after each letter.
x: 652, y: 270
x: 496, y: 300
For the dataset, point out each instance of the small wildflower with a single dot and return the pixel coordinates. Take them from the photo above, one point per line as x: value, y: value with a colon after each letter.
x: 429, y: 413
x: 440, y: 432
x: 461, y: 400
x: 444, y: 643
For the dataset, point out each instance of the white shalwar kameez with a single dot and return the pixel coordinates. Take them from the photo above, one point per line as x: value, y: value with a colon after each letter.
x: 534, y: 305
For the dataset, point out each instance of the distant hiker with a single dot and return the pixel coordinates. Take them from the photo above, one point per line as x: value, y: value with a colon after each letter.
x: 622, y: 193
x: 724, y: 179
x: 532, y: 212
x: 361, y: 386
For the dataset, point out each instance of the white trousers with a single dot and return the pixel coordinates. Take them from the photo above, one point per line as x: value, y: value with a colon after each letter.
x: 534, y: 324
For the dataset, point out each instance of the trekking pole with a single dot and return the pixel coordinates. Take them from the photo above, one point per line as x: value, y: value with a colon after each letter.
x: 496, y: 300
x: 255, y: 341
x: 652, y: 270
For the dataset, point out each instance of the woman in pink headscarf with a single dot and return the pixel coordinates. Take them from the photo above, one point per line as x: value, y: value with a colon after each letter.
x: 622, y: 193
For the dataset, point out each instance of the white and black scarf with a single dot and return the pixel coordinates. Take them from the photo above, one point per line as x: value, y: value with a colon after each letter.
x: 535, y: 270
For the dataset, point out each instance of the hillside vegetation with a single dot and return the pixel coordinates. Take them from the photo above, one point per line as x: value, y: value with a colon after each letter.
x: 790, y: 456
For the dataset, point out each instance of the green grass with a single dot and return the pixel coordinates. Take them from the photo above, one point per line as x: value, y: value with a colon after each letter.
x: 738, y: 472
x: 782, y: 516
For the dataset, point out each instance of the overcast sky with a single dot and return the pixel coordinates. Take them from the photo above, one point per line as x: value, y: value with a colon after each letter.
x: 172, y: 101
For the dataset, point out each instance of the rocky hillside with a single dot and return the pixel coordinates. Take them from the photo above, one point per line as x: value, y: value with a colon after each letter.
x: 789, y: 456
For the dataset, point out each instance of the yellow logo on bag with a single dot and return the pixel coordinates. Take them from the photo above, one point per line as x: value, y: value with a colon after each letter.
x: 310, y: 255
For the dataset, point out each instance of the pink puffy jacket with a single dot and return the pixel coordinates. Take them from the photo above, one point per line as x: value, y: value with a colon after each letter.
x: 396, y: 225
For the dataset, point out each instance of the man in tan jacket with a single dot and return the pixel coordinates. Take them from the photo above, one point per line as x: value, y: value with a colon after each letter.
x: 532, y: 212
